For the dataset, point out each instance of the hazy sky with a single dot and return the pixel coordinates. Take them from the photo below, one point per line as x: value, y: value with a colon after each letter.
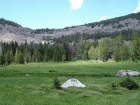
x: 61, y: 13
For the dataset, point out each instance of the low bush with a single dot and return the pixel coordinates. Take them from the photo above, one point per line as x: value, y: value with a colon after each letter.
x: 57, y: 84
x: 129, y: 83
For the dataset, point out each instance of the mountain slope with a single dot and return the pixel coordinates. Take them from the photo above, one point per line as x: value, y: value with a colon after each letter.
x: 11, y: 31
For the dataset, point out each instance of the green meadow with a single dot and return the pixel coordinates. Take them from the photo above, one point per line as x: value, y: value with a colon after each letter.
x: 37, y: 89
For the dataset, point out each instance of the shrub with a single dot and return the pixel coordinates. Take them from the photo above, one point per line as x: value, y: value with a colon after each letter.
x: 114, y: 86
x: 129, y: 84
x: 57, y: 84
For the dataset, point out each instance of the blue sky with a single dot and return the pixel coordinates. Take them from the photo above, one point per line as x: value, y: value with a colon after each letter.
x: 62, y: 13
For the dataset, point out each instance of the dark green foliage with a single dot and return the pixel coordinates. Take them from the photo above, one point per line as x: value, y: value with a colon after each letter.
x: 12, y: 52
x: 16, y: 56
x: 120, y: 26
x: 2, y: 59
x: 66, y: 50
x: 20, y: 58
x: 129, y: 84
x: 57, y: 54
x: 107, y: 48
x: 57, y: 84
x: 114, y: 86
x: 7, y: 58
x: 7, y: 22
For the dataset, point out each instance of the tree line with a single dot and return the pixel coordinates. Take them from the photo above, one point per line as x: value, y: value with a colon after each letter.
x: 107, y: 48
x: 26, y: 53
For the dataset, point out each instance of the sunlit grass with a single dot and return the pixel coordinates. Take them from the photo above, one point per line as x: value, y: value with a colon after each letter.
x: 37, y: 89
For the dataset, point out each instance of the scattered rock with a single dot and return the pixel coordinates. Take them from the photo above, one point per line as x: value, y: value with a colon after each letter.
x: 27, y: 75
x: 122, y: 73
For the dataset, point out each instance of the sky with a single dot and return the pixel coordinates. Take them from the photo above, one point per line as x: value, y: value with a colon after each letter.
x: 58, y: 14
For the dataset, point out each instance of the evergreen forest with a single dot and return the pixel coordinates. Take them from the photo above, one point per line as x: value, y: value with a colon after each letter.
x: 116, y: 49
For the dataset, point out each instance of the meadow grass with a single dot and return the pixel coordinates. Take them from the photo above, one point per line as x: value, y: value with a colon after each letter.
x: 69, y: 68
x: 37, y: 89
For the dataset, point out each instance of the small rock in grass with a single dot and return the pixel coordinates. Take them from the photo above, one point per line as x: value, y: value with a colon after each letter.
x: 27, y: 75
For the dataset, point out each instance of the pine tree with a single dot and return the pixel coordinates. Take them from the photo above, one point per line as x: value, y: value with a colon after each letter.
x: 16, y: 55
x: 7, y: 58
x: 54, y: 55
x: 26, y: 58
x: 20, y: 58
x: 2, y: 59
x: 64, y: 56
x: 33, y: 57
x: 46, y: 53
x: 65, y: 46
x: 11, y: 56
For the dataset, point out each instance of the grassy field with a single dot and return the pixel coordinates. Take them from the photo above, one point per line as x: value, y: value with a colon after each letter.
x: 37, y: 89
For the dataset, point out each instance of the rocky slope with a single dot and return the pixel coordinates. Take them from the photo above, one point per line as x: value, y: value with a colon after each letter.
x: 10, y: 31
